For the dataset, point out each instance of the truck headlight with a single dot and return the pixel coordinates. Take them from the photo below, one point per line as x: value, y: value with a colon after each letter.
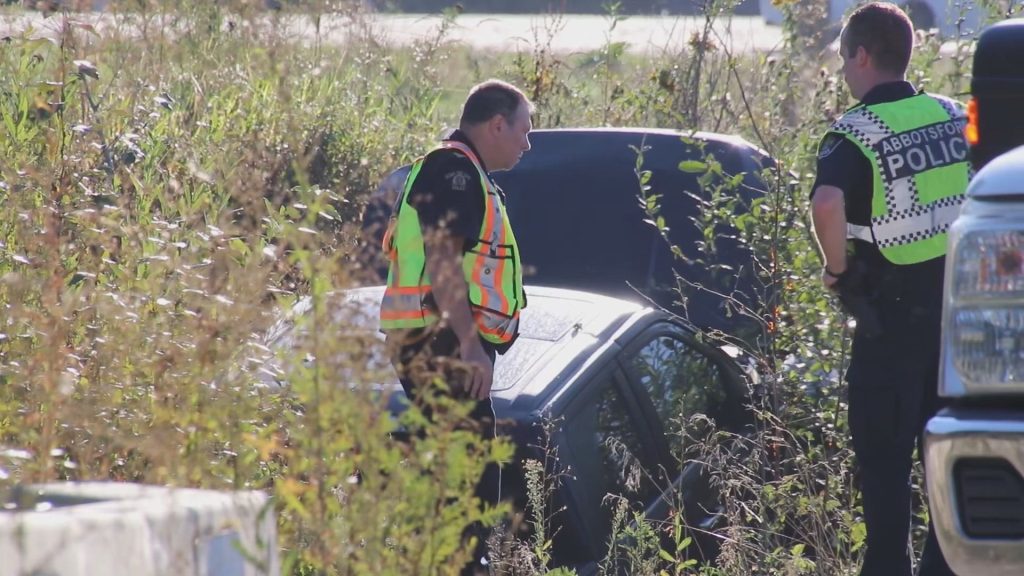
x: 985, y: 307
x: 989, y: 264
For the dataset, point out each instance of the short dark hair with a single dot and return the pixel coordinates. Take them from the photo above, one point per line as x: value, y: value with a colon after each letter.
x: 884, y: 31
x: 490, y: 98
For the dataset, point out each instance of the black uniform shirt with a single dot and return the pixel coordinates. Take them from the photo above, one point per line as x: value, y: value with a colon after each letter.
x: 448, y: 194
x: 842, y: 164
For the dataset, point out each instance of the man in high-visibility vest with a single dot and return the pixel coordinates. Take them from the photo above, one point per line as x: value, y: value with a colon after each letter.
x: 892, y: 172
x: 455, y: 286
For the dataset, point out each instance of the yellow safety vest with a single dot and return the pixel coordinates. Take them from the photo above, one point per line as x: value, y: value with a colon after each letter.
x: 492, y: 267
x: 918, y: 155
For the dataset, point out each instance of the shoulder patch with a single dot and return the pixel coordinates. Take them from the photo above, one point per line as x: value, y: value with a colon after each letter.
x: 828, y: 145
x: 457, y: 179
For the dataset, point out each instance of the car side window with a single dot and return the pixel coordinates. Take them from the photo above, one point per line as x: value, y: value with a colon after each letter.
x: 611, y: 455
x: 627, y: 470
x: 681, y: 381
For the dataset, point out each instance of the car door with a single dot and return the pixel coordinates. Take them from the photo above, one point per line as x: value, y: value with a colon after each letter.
x: 609, y: 451
x: 687, y: 389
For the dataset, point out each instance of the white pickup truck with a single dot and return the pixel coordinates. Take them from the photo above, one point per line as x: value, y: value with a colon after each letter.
x: 974, y: 449
x: 925, y: 14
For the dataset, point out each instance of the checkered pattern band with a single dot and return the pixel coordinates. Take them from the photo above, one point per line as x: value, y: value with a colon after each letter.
x: 918, y: 223
x: 900, y: 194
x: 864, y: 125
x: 952, y: 107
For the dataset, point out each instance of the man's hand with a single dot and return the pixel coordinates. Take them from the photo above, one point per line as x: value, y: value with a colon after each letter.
x: 444, y: 265
x: 830, y: 280
x: 481, y: 371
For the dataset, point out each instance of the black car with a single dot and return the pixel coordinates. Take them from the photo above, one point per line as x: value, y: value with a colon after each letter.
x: 613, y: 381
x: 575, y: 203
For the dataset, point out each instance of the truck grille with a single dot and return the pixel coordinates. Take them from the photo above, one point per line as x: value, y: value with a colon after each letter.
x: 990, y: 495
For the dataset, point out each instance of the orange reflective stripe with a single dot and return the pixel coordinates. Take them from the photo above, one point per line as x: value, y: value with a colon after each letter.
x: 495, y: 327
x: 386, y: 246
x: 405, y: 314
x: 485, y: 297
x: 408, y: 290
x: 482, y: 316
x: 402, y: 307
x: 391, y: 249
x: 491, y: 217
x: 484, y: 329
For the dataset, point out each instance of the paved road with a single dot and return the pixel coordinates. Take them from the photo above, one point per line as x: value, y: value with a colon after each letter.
x: 580, y: 33
x: 576, y: 33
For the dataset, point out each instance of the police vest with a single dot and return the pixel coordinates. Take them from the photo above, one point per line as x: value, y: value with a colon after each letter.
x: 492, y: 268
x: 918, y: 154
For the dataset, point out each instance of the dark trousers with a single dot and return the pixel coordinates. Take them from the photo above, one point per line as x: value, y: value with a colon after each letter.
x: 893, y: 379
x: 424, y: 356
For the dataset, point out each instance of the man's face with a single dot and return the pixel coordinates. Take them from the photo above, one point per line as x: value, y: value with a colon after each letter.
x: 512, y: 138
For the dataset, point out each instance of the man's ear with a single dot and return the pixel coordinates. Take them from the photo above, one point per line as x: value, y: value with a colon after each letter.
x: 861, y: 57
x: 496, y: 124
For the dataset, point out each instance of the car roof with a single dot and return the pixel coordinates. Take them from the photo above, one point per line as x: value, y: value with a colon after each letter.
x: 560, y: 331
x: 627, y: 131
x: 391, y: 184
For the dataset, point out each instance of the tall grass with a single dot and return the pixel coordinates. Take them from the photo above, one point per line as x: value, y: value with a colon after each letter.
x: 176, y: 176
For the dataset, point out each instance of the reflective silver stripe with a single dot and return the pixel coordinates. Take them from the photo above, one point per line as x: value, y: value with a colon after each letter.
x: 498, y: 234
x: 495, y: 323
x: 864, y: 125
x: 858, y: 232
x: 397, y: 303
x: 488, y: 278
x: 394, y: 301
x: 900, y: 194
x: 918, y: 223
x: 493, y: 261
x: 494, y: 320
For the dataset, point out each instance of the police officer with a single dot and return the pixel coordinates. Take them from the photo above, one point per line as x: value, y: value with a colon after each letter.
x: 891, y: 175
x: 454, y: 288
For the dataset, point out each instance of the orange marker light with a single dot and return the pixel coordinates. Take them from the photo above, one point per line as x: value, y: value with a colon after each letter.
x: 971, y: 130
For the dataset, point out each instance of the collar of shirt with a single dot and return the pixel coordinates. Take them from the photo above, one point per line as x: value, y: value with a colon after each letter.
x: 889, y: 92
x: 460, y: 136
